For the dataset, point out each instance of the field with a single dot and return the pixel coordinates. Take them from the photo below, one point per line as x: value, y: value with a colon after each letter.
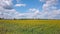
x: 29, y: 26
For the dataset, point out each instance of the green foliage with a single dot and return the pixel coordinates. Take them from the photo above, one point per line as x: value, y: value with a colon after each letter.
x: 16, y: 27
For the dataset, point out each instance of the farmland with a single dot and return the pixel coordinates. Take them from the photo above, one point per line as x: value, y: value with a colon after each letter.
x: 29, y: 26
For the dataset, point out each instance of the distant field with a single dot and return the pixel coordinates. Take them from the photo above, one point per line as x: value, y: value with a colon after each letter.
x: 29, y: 26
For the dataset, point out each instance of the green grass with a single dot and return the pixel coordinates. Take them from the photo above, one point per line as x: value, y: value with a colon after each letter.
x: 29, y: 26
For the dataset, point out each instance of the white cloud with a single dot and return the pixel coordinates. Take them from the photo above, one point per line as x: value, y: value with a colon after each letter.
x: 35, y: 11
x: 7, y: 11
x: 49, y: 4
x: 50, y: 10
x: 7, y: 4
x: 19, y: 5
x: 32, y: 13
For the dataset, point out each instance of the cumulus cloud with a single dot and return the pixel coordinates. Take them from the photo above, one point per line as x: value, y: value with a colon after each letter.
x: 7, y: 4
x: 49, y: 4
x: 19, y: 5
x: 9, y: 14
x: 49, y: 11
x: 31, y: 13
x: 7, y: 11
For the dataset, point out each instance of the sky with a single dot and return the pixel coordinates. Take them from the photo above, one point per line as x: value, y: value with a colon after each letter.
x: 37, y: 9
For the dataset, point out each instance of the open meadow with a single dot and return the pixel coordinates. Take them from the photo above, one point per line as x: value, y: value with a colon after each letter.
x: 29, y: 26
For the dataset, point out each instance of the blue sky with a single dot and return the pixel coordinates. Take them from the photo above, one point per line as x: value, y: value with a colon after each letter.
x: 29, y: 4
x: 42, y: 9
